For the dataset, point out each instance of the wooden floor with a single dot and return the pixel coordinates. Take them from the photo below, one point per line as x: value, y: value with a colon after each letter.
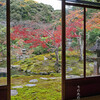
x: 91, y: 98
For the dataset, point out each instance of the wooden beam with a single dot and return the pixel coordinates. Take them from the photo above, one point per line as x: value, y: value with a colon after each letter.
x: 8, y: 48
x: 63, y: 49
x: 82, y: 5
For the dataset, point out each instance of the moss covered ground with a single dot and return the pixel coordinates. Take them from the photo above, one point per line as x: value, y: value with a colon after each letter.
x: 37, y: 64
x: 44, y: 90
x: 49, y: 89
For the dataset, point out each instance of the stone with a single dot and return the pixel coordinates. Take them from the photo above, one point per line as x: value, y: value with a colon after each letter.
x: 28, y: 71
x: 4, y: 58
x: 45, y: 58
x: 91, y: 65
x: 33, y: 73
x: 51, y: 71
x: 43, y: 73
x: 33, y: 80
x: 69, y: 69
x: 52, y: 78
x: 72, y: 76
x: 15, y: 66
x: 30, y: 85
x: 14, y: 92
x: 95, y: 68
x: 43, y: 78
x: 1, y: 60
x: 27, y: 56
x: 17, y: 87
x: 3, y: 70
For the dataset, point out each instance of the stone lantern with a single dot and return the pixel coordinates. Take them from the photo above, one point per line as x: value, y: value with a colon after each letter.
x: 98, y: 54
x: 24, y: 51
x: 96, y: 49
x: 68, y: 43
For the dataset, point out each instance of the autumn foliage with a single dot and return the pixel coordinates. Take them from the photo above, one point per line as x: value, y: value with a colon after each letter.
x: 41, y: 37
x: 50, y: 36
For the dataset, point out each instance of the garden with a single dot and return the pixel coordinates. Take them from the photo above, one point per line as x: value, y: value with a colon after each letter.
x: 36, y: 48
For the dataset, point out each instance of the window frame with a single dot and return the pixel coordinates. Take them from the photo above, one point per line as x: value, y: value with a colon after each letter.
x: 8, y: 49
x: 63, y: 45
x: 77, y: 80
x: 5, y: 89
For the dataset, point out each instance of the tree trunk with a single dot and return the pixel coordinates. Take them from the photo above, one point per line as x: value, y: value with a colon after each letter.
x: 57, y: 60
x: 57, y: 57
x: 80, y: 42
x: 81, y: 51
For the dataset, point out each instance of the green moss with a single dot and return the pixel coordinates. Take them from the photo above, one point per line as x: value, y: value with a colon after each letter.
x: 40, y: 68
x: 16, y: 63
x: 39, y: 57
x: 55, y: 74
x: 37, y: 64
x: 89, y: 53
x: 76, y: 71
x: 17, y: 76
x: 3, y: 64
x: 44, y: 90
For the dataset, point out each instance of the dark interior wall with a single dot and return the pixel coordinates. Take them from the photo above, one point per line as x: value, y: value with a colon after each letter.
x: 88, y: 87
x: 3, y: 92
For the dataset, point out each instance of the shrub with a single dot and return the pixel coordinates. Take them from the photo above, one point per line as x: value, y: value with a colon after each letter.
x: 40, y: 50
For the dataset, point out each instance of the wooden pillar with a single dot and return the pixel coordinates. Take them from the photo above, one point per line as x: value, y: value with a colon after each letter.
x: 63, y: 50
x: 8, y: 48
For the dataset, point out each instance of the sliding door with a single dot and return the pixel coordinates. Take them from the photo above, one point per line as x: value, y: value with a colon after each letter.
x: 4, y: 50
x: 81, y: 50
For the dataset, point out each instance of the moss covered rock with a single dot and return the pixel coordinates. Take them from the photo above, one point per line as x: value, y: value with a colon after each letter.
x: 37, y: 64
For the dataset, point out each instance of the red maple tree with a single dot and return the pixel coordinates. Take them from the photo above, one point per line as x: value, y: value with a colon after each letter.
x: 47, y: 37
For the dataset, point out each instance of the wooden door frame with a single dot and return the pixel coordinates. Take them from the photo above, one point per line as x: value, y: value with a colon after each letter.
x: 69, y: 86
x: 8, y: 49
x: 5, y: 89
x: 64, y: 81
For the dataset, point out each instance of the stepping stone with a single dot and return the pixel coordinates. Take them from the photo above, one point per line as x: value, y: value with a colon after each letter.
x: 14, y: 92
x: 45, y: 58
x: 52, y: 78
x: 43, y: 78
x: 17, y: 87
x: 30, y: 85
x: 72, y: 76
x: 33, y: 80
x: 69, y: 69
x: 91, y: 65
